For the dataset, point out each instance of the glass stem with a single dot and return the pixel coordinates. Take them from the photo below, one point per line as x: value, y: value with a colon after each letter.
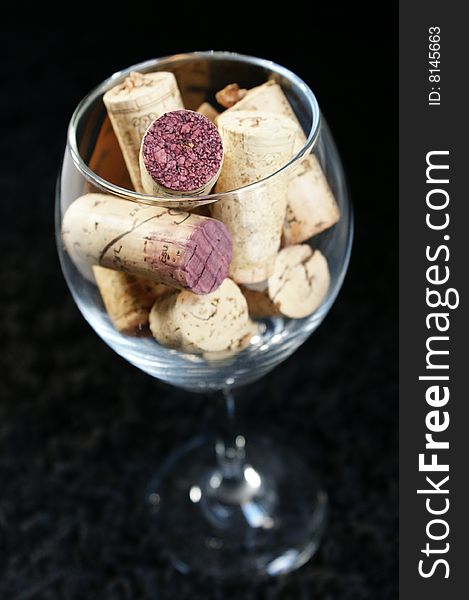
x: 230, y: 445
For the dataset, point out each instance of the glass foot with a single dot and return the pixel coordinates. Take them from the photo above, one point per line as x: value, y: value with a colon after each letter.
x: 261, y: 512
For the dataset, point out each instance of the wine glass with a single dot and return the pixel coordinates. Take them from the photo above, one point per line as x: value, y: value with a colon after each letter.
x: 230, y: 505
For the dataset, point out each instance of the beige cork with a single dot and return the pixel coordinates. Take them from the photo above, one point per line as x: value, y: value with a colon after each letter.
x: 300, y: 281
x: 251, y: 330
x: 230, y: 95
x: 311, y: 206
x: 256, y: 145
x: 128, y: 299
x: 132, y: 105
x: 296, y: 288
x: 215, y: 322
x: 208, y: 111
x: 168, y: 246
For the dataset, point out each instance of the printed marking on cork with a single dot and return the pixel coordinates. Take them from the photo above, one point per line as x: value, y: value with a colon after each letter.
x: 181, y: 154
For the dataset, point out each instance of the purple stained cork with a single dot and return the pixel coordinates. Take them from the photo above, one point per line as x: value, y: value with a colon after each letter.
x: 182, y: 152
x: 208, y: 265
x: 200, y: 263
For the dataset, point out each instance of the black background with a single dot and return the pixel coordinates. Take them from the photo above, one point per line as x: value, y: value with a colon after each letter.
x: 81, y: 430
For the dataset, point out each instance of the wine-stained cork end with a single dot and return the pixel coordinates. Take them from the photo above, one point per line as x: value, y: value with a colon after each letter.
x: 209, y: 264
x: 182, y: 152
x: 204, y: 263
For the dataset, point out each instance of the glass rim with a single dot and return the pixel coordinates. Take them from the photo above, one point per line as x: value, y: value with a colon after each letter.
x: 100, y: 89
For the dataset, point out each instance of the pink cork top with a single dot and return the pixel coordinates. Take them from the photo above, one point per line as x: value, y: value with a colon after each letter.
x: 182, y: 151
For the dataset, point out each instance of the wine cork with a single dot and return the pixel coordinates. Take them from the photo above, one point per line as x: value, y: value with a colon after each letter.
x: 132, y: 105
x: 230, y: 95
x: 212, y: 323
x: 296, y: 288
x: 300, y: 281
x: 208, y: 111
x: 181, y: 155
x: 311, y: 206
x: 251, y: 330
x: 268, y: 97
x: 256, y: 145
x: 128, y: 299
x: 173, y: 247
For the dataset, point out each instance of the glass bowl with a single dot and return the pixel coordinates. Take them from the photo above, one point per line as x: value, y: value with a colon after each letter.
x: 199, y: 76
x: 228, y: 506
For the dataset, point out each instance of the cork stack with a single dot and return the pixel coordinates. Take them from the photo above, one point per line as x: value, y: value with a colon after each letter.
x: 195, y: 281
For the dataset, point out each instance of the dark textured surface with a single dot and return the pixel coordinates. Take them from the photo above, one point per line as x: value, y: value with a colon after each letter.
x: 81, y: 430
x: 182, y: 151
